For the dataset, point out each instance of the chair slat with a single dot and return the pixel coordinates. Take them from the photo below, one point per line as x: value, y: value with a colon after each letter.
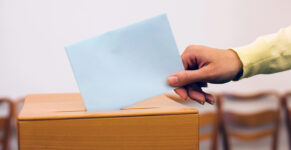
x: 251, y: 96
x: 251, y: 120
x: 258, y: 119
x: 251, y: 136
x: 207, y: 119
x: 205, y: 136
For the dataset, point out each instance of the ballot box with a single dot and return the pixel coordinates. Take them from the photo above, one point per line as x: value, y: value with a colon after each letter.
x: 60, y: 121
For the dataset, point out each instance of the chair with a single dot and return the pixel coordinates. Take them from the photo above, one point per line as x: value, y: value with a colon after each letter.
x: 209, y: 119
x: 285, y: 102
x: 237, y: 123
x: 5, y: 122
x: 18, y: 104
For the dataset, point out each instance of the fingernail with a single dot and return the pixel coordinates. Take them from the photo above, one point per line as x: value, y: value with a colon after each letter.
x: 212, y: 102
x: 173, y: 79
x: 210, y: 99
x: 201, y: 102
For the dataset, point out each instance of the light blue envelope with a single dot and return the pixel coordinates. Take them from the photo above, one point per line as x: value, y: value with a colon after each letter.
x: 125, y: 66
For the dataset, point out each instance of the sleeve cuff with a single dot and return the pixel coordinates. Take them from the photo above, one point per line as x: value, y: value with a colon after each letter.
x: 251, y: 57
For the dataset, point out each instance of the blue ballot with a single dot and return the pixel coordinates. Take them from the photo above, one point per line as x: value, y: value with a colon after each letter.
x: 127, y: 65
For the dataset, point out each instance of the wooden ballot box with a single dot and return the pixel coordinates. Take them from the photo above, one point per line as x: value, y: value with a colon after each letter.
x: 60, y: 121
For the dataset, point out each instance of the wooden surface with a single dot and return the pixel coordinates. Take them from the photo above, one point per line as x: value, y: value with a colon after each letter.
x: 3, y: 120
x: 287, y: 111
x: 59, y: 121
x: 209, y: 119
x: 251, y: 136
x: 173, y: 132
x: 246, y: 121
x: 61, y: 106
x: 251, y: 120
x: 5, y: 124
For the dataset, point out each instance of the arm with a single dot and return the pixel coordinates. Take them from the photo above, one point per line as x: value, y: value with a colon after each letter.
x: 268, y: 54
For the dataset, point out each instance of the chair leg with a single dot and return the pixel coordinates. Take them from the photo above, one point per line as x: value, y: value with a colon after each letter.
x: 287, y: 120
x: 222, y: 128
x: 225, y: 141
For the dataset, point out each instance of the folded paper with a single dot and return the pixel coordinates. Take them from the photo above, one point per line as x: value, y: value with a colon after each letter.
x: 124, y: 66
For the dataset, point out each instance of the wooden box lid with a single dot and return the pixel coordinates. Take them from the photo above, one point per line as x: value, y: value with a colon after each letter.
x: 64, y: 106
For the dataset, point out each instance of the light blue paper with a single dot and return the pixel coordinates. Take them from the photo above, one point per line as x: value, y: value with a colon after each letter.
x: 125, y: 66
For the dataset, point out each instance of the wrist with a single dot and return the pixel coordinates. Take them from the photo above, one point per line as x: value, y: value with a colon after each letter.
x: 239, y: 69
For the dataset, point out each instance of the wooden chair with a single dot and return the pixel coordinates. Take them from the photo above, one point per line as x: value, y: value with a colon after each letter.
x: 5, y: 124
x: 209, y: 119
x: 285, y: 102
x: 18, y: 104
x: 247, y: 121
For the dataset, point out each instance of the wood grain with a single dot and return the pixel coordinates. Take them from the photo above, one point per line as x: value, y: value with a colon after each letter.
x: 65, y: 106
x: 155, y: 124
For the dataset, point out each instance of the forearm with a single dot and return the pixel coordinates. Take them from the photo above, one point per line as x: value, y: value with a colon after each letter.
x: 268, y: 54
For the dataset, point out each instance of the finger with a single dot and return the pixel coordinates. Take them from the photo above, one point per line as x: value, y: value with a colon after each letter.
x: 189, y: 62
x: 209, y: 98
x: 186, y: 59
x: 188, y: 76
x: 202, y: 84
x: 185, y: 64
x: 190, y: 56
x: 195, y: 93
x: 182, y: 92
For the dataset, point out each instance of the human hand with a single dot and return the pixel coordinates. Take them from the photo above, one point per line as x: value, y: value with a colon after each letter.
x: 204, y: 65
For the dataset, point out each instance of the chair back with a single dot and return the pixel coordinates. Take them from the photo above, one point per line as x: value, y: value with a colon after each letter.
x: 244, y: 124
x: 6, y: 111
x: 209, y: 120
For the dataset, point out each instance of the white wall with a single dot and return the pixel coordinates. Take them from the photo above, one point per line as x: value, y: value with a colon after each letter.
x: 34, y: 32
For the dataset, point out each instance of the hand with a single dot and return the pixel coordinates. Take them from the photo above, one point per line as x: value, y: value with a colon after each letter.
x: 204, y: 65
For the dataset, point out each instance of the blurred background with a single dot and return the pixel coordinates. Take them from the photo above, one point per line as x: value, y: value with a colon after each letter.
x: 33, y: 34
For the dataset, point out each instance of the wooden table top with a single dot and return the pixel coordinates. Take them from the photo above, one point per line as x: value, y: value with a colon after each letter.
x: 66, y: 106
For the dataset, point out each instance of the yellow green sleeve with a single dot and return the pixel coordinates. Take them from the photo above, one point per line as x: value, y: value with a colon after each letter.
x: 268, y: 54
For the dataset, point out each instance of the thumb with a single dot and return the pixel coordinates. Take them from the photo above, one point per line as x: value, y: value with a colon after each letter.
x: 187, y: 77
